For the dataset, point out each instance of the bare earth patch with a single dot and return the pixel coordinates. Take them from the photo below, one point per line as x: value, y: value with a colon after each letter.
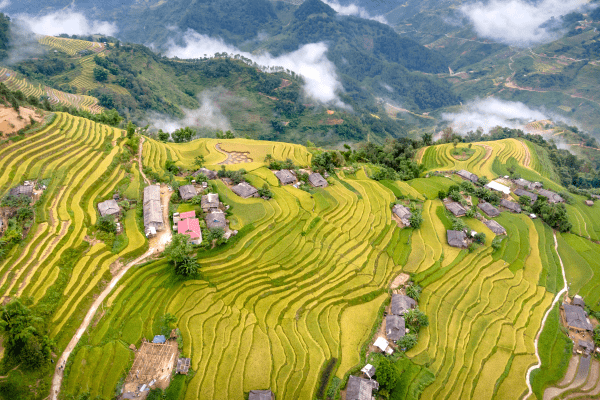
x: 12, y: 121
x: 400, y: 281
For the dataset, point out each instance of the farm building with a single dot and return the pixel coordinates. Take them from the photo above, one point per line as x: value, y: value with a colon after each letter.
x: 215, y: 220
x: 589, y: 203
x: 403, y: 213
x: 368, y: 370
x: 552, y: 196
x: 521, y: 193
x: 160, y: 339
x: 586, y: 346
x: 495, y: 227
x: 261, y: 395
x: 317, y: 180
x: 383, y: 345
x: 394, y: 327
x: 245, y: 190
x: 153, y: 215
x: 22, y: 190
x: 360, y: 388
x: 187, y: 192
x: 511, y: 206
x: 210, y: 202
x: 457, y: 239
x: 525, y: 184
x: 455, y: 208
x: 498, y: 187
x: 469, y: 176
x: 109, y: 207
x: 576, y: 318
x: 401, y: 304
x: 489, y: 209
x: 190, y: 227
x: 578, y: 301
x: 285, y: 176
x: 183, y: 366
x: 211, y: 175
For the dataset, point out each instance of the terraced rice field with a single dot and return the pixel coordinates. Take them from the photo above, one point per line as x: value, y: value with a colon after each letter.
x: 155, y: 153
x: 70, y: 46
x: 71, y: 153
x: 13, y: 82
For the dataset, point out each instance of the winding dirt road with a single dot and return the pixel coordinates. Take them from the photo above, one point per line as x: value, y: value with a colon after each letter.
x: 537, y: 337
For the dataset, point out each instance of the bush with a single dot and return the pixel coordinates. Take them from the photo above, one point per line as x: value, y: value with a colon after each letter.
x: 107, y: 224
x: 416, y: 218
x: 480, y: 238
x: 414, y: 291
x: 407, y: 342
x: 497, y: 242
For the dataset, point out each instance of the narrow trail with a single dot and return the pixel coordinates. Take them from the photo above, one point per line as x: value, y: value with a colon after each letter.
x: 537, y: 337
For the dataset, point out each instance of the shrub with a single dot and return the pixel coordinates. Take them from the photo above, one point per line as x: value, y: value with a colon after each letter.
x: 387, y: 374
x: 407, y: 342
x: 497, y: 242
x: 480, y: 238
x: 416, y: 219
x: 107, y: 224
x: 414, y: 291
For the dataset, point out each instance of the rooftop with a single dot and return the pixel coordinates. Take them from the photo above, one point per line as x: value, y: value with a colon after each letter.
x: 216, y: 219
x: 489, y: 209
x: 552, y: 196
x: 577, y: 317
x: 360, y: 388
x: 187, y: 214
x: 456, y: 209
x: 244, y: 190
x: 285, y: 176
x: 521, y: 192
x: 394, y: 327
x: 187, y: 192
x: 22, y: 190
x: 457, y: 239
x: 317, y: 180
x: 495, y: 227
x: 401, y: 304
x: 191, y: 228
x: 511, y: 205
x: 493, y: 185
x: 108, y: 207
x: 261, y: 395
x: 468, y: 175
x: 210, y: 200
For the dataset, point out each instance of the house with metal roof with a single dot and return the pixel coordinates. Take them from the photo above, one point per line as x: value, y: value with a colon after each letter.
x: 521, y: 193
x: 394, y: 327
x: 498, y: 187
x: 495, y: 227
x: 191, y: 228
x: 153, y: 215
x: 317, y: 180
x: 457, y: 239
x: 403, y: 213
x: 187, y: 192
x: 285, y: 176
x: 551, y: 196
x: 511, y: 205
x: 22, y: 190
x: 360, y: 388
x: 489, y: 209
x: 216, y: 220
x: 245, y: 190
x: 210, y: 202
x: 159, y: 339
x: 469, y: 176
x: 261, y: 395
x: 455, y: 208
x: 109, y: 207
x: 401, y: 304
x: 576, y: 318
x: 368, y: 370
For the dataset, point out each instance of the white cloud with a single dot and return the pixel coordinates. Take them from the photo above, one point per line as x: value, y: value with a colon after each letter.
x: 4, y: 4
x: 69, y: 22
x: 310, y: 61
x: 353, y: 9
x: 517, y: 22
x: 491, y: 112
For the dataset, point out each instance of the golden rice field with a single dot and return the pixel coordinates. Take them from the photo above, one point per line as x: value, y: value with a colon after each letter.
x: 70, y: 46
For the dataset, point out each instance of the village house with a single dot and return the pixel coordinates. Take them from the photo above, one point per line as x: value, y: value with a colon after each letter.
x: 153, y: 215
x: 589, y: 203
x: 285, y: 176
x: 211, y: 175
x: 526, y: 185
x: 403, y: 213
x: 190, y: 226
x: 394, y: 327
x: 216, y: 220
x: 498, y: 187
x: 245, y: 190
x: 183, y: 366
x: 109, y: 207
x: 22, y: 190
x: 489, y: 209
x: 368, y: 370
x: 551, y: 196
x: 576, y: 319
x: 261, y: 395
x: 455, y: 208
x: 401, y: 304
x: 469, y: 176
x: 187, y: 192
x: 210, y: 202
x: 317, y: 180
x: 578, y: 301
x: 521, y: 193
x: 495, y: 227
x: 457, y: 239
x: 360, y: 388
x: 383, y: 345
x: 511, y: 205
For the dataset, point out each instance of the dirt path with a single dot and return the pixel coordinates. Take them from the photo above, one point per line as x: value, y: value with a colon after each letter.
x: 157, y: 245
x: 537, y: 337
x: 140, y: 160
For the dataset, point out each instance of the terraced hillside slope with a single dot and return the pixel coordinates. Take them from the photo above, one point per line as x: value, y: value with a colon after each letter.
x: 303, y: 281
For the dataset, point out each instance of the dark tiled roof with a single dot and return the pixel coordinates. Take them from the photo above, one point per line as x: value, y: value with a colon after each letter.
x: 457, y: 238
x: 511, y: 205
x: 244, y: 190
x: 577, y: 317
x: 495, y: 227
x: 360, y: 388
x: 285, y: 176
x: 187, y: 192
x: 456, y: 209
x: 489, y: 209
x: 22, y: 190
x: 402, y: 303
x: 394, y: 327
x: 261, y: 395
x: 468, y: 175
x: 317, y: 180
x: 521, y: 192
x: 108, y: 207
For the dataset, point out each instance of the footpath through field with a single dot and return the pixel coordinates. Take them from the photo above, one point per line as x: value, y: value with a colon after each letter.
x: 537, y: 337
x: 157, y: 245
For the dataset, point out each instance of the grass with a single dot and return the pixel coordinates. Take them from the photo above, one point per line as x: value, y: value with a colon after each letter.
x: 462, y: 153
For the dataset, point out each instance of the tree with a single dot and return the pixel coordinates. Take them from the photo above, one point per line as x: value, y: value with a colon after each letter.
x: 597, y: 336
x: 427, y: 138
x: 480, y: 238
x: 416, y: 319
x: 497, y: 242
x: 524, y: 201
x: 178, y: 250
x: 265, y: 191
x: 387, y: 374
x: 470, y: 145
x: 130, y: 130
x: 407, y: 342
x: 416, y: 219
x: 199, y: 161
x: 188, y: 267
x: 414, y: 291
x: 483, y: 180
x: 107, y: 224
x: 163, y: 136
x: 455, y: 143
x: 24, y: 213
x: 100, y: 74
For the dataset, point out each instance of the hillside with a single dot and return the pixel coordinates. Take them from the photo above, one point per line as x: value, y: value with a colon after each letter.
x: 302, y: 283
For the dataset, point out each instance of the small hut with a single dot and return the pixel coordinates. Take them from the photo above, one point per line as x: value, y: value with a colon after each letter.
x: 489, y: 209
x: 317, y: 180
x: 211, y: 175
x: 261, y: 395
x: 210, y: 202
x: 109, y: 207
x: 469, y: 176
x: 395, y: 327
x: 532, y: 196
x: 187, y: 192
x: 22, y: 190
x: 457, y: 239
x: 403, y: 213
x: 360, y: 388
x: 215, y: 220
x: 495, y: 227
x: 153, y: 215
x: 401, y: 304
x: 589, y: 203
x: 551, y: 196
x: 245, y: 190
x: 511, y: 206
x: 455, y: 208
x: 285, y: 176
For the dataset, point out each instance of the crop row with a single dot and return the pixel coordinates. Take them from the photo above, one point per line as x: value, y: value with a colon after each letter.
x: 70, y: 46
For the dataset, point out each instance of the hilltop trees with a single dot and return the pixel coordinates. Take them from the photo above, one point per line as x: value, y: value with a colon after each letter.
x: 178, y: 254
